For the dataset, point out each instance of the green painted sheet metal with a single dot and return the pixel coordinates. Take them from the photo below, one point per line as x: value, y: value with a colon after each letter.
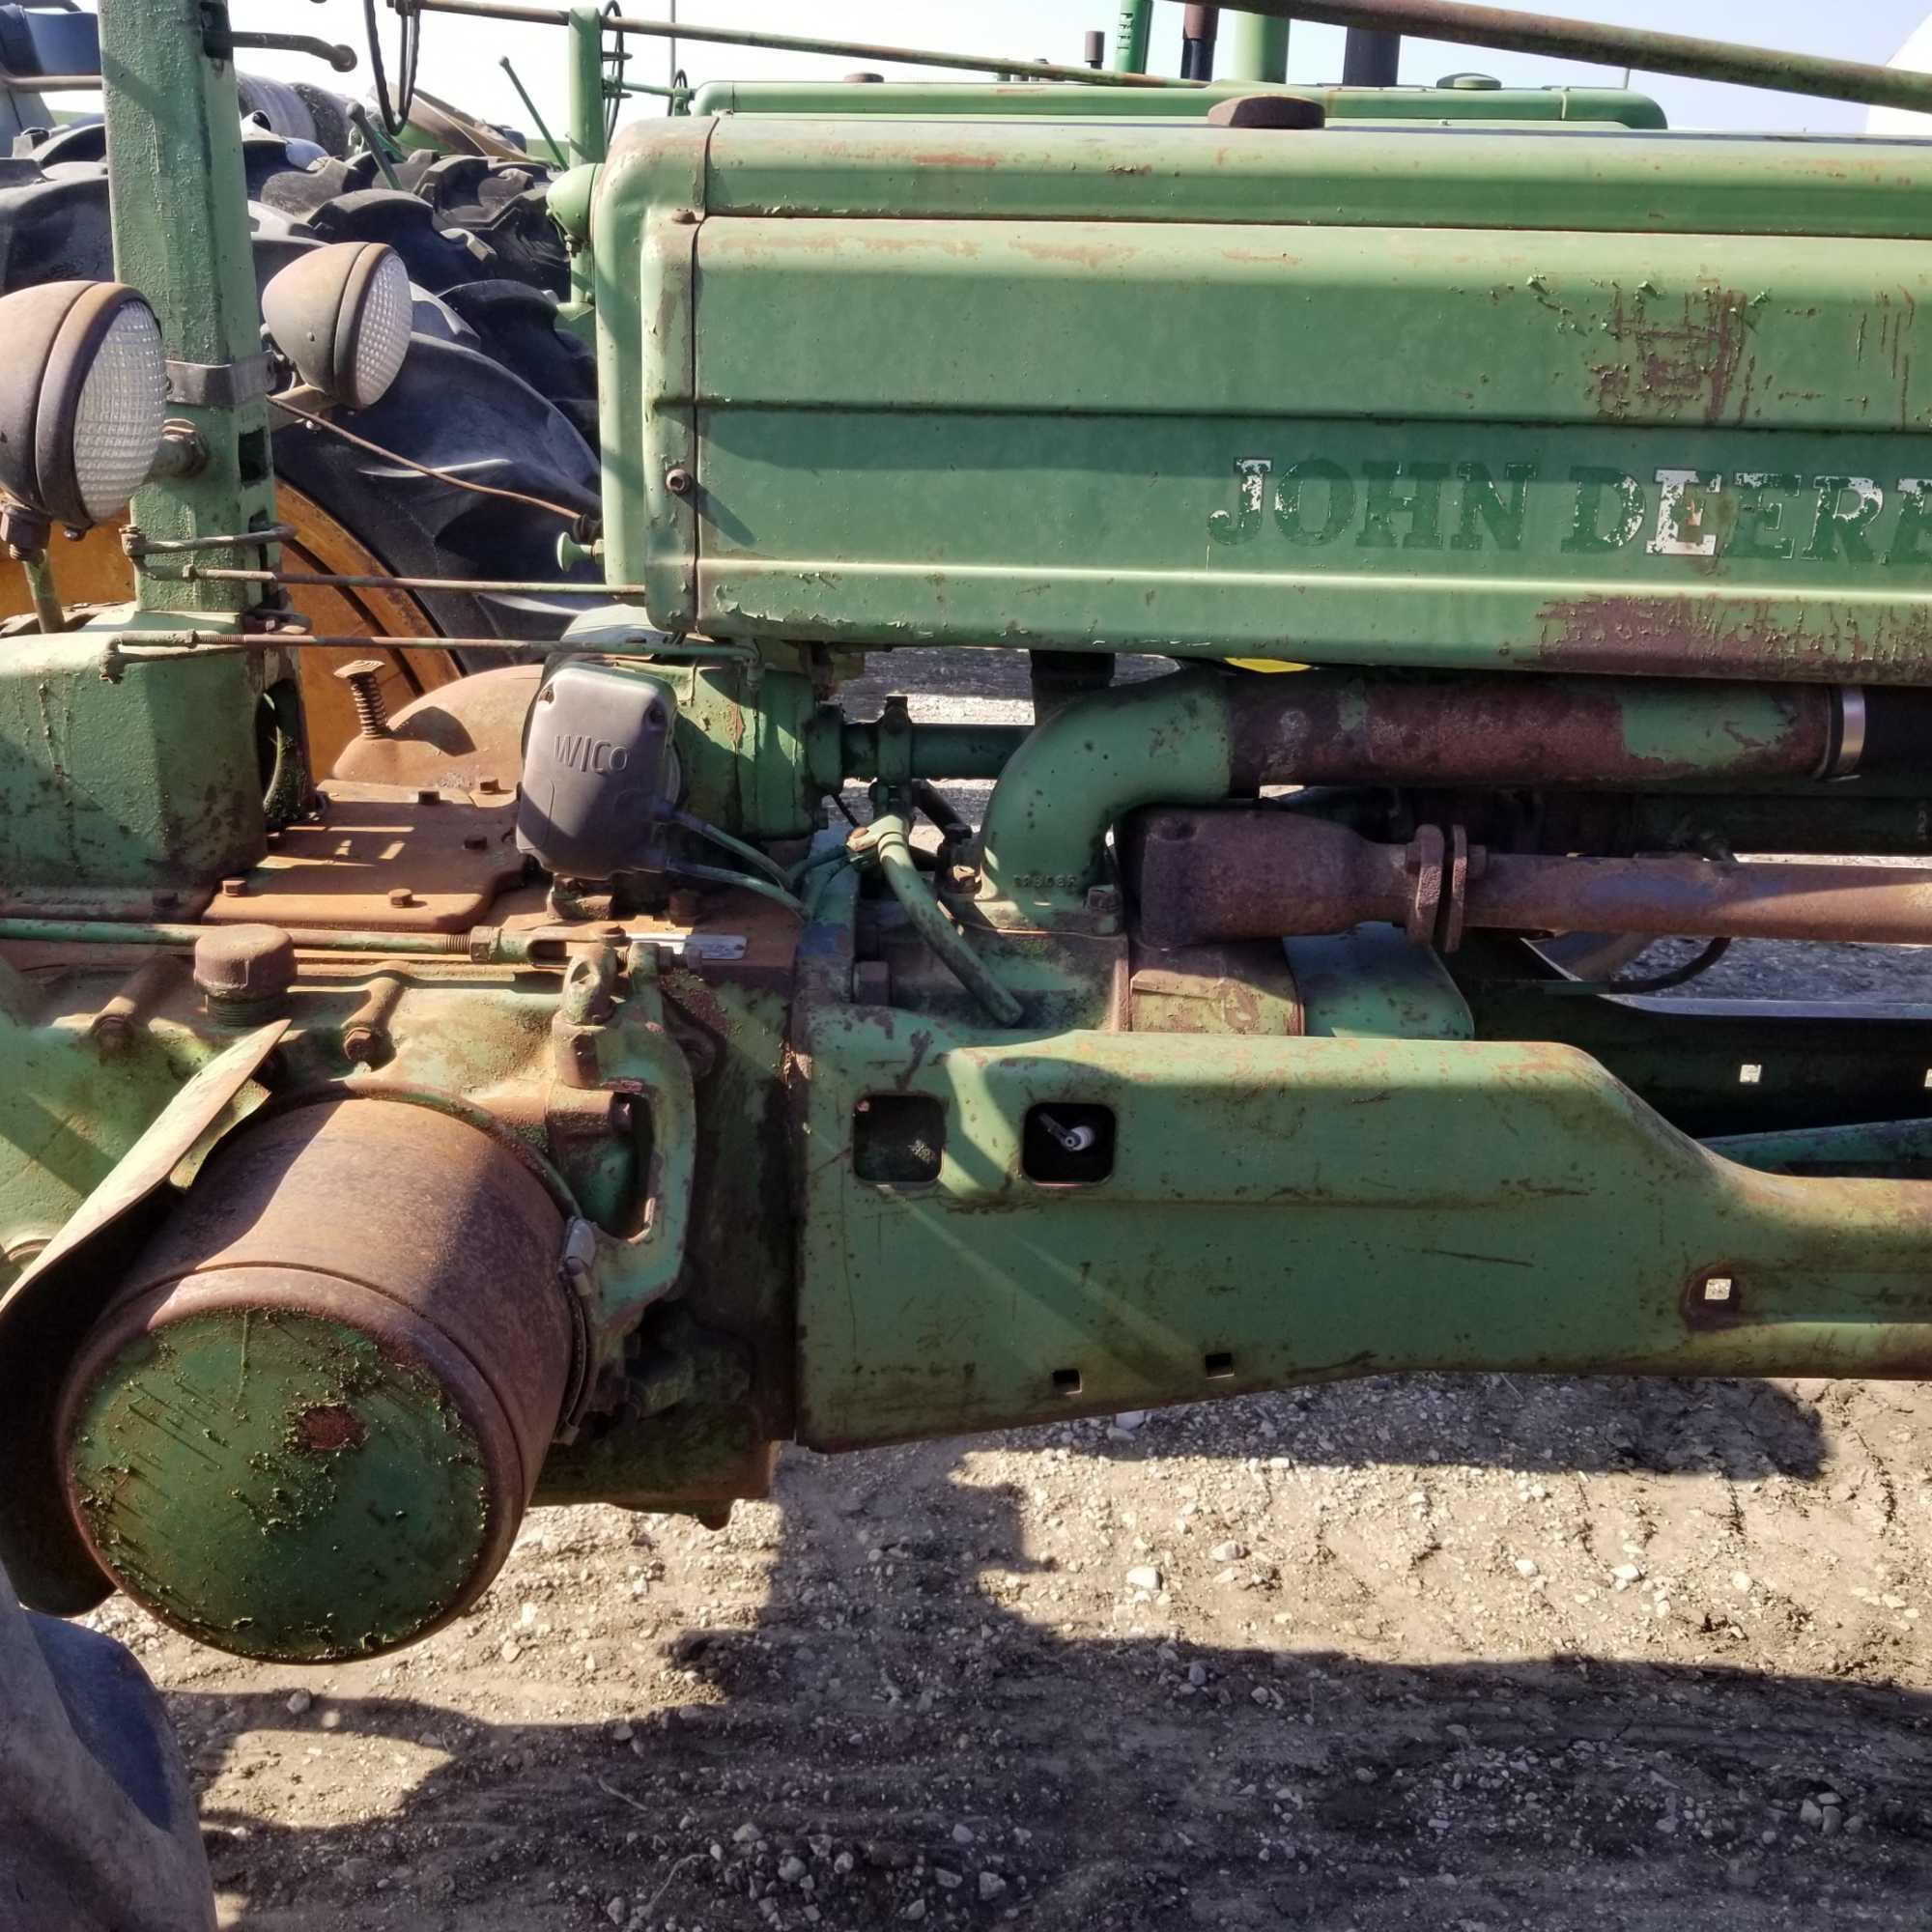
x: 1572, y: 106
x: 1381, y: 177
x: 1082, y: 388
x: 113, y: 792
x: 1284, y: 1209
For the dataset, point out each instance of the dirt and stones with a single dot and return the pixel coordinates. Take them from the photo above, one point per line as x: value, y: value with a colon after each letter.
x: 1447, y: 1654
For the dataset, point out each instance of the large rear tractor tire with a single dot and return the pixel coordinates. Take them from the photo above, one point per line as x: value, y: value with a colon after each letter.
x: 98, y: 1825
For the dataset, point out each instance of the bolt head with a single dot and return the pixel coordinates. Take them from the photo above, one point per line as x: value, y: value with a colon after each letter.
x: 679, y: 481
x: 362, y: 1045
x: 401, y: 896
x: 234, y: 889
x: 361, y: 667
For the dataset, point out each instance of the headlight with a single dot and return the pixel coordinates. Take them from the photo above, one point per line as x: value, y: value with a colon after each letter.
x: 83, y: 397
x: 341, y: 315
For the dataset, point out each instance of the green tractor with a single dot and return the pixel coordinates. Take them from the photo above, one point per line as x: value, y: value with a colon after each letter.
x: 555, y: 1098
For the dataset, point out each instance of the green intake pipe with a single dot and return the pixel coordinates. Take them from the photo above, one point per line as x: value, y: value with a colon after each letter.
x: 1617, y: 46
x: 937, y: 751
x: 1131, y: 36
x: 1167, y: 741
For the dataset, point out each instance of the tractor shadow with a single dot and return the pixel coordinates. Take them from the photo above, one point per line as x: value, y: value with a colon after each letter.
x: 906, y: 1674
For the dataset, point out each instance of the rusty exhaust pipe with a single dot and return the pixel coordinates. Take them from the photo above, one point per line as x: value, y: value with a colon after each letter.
x: 1255, y: 873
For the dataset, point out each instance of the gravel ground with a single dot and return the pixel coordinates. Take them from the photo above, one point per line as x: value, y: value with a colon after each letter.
x: 1462, y: 1654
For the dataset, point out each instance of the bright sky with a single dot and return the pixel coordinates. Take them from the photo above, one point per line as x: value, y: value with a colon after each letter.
x: 461, y: 56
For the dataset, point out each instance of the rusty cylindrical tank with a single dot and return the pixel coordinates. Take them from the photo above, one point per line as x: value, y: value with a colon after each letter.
x: 308, y: 1425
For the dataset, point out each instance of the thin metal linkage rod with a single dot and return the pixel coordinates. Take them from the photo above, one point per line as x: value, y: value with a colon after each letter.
x: 1649, y: 52
x: 48, y: 83
x: 383, y: 581
x: 686, y: 650
x: 793, y: 43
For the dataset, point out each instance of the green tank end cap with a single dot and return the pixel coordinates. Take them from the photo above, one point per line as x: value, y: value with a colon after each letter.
x: 282, y: 1486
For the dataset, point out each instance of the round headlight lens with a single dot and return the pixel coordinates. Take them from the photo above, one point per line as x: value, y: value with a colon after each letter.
x: 123, y: 405
x: 342, y: 314
x: 383, y: 330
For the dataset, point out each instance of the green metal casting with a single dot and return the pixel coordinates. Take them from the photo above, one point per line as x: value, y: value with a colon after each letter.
x: 415, y: 1463
x: 119, y: 799
x: 1497, y: 1206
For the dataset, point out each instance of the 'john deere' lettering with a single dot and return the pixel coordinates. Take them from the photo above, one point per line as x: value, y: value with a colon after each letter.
x: 1755, y: 516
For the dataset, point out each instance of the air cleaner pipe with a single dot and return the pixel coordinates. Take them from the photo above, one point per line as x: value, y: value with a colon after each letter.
x: 1695, y: 58
x: 935, y: 752
x: 1201, y: 737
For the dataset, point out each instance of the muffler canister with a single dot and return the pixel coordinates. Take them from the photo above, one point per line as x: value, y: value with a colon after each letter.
x: 308, y: 1425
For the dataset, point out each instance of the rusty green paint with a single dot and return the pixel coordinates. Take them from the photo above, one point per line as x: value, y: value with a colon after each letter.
x: 235, y: 1474
x: 1578, y: 473
x: 1308, y: 1209
x: 124, y: 797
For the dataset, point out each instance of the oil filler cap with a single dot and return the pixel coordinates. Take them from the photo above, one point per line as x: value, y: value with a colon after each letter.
x: 244, y: 972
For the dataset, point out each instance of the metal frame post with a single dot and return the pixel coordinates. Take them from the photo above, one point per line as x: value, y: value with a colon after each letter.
x: 1257, y: 49
x: 585, y: 132
x: 180, y: 235
x: 588, y: 146
x: 1371, y: 59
